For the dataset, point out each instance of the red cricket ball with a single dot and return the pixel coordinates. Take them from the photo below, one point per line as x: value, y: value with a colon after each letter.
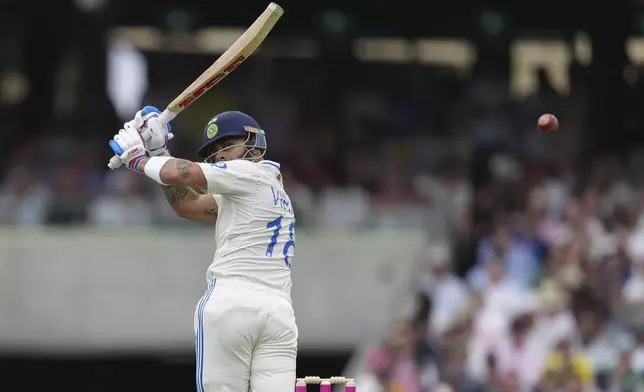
x: 547, y: 123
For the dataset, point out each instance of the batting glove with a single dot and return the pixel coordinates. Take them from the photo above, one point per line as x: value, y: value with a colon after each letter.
x: 129, y: 146
x: 155, y: 135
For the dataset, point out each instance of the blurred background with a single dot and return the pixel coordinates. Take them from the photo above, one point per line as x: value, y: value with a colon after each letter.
x: 443, y: 243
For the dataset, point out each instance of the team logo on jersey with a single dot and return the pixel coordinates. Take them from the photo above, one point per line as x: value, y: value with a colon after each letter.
x: 212, y: 130
x: 220, y: 164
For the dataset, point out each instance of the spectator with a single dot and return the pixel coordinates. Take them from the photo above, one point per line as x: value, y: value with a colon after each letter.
x: 121, y: 204
x: 520, y: 261
x: 447, y: 292
x: 564, y: 366
x: 376, y: 378
x: 23, y: 198
x: 625, y: 377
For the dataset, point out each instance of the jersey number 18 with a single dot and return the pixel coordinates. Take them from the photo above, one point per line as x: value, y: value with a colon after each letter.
x: 276, y: 225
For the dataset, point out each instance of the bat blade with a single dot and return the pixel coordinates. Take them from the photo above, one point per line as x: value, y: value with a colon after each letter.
x: 239, y: 51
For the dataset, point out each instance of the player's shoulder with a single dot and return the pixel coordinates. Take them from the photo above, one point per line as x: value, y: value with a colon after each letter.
x: 236, y: 165
x: 271, y: 169
x: 266, y: 164
x: 255, y: 167
x: 247, y: 163
x: 250, y: 168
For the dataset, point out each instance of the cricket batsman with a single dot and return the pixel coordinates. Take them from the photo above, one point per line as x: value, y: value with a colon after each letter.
x: 246, y: 336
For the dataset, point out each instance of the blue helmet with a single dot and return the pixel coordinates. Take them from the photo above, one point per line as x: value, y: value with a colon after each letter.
x: 231, y: 124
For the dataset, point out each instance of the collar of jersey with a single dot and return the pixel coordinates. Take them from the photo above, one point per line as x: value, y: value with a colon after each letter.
x: 270, y: 163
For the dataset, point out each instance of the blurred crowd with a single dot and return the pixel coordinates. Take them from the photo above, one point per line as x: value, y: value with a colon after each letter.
x: 540, y: 285
x: 380, y: 145
x: 360, y: 149
x: 553, y: 302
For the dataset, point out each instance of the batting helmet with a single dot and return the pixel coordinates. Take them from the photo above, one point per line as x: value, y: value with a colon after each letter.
x: 231, y: 124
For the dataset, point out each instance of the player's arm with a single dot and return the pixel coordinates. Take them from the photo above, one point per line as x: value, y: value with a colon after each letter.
x: 190, y: 205
x: 224, y: 178
x: 174, y: 171
x: 178, y: 176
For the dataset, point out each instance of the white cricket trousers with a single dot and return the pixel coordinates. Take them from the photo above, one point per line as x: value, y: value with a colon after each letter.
x: 246, y: 338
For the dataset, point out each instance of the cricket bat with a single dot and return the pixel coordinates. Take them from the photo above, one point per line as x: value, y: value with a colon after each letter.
x: 239, y: 51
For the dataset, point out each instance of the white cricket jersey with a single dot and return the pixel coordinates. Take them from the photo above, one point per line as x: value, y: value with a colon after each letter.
x: 255, y: 229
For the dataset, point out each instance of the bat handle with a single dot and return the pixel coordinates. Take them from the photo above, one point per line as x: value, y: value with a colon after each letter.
x: 115, y: 163
x: 165, y: 117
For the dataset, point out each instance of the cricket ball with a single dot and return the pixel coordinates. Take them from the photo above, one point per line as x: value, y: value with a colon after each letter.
x: 547, y: 123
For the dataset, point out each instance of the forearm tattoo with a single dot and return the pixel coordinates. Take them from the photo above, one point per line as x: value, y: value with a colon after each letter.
x: 175, y: 194
x: 183, y: 167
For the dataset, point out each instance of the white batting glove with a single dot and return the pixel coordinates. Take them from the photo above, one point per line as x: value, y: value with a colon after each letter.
x: 155, y: 135
x: 129, y: 146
